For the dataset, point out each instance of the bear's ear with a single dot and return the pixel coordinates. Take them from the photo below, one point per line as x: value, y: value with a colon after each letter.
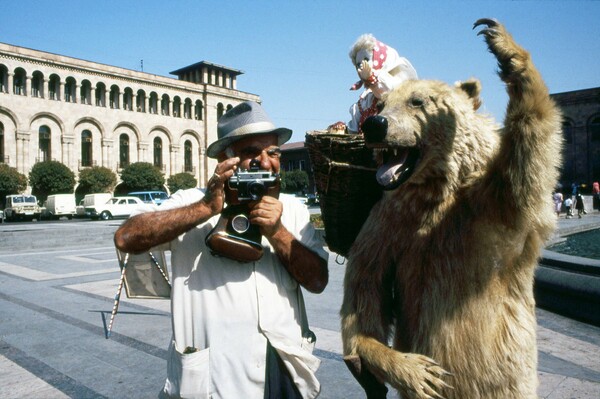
x: 472, y: 88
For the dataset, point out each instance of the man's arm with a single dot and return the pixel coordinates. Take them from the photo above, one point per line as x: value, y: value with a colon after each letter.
x: 147, y: 230
x: 304, y: 265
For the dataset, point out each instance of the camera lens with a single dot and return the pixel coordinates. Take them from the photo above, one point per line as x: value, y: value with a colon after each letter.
x: 240, y: 223
x: 256, y: 189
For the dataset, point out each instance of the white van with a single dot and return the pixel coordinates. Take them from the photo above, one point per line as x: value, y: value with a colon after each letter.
x: 91, y: 201
x: 58, y: 205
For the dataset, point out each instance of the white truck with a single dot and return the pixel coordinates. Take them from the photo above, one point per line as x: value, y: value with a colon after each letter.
x: 58, y: 205
x: 21, y: 207
x: 91, y: 201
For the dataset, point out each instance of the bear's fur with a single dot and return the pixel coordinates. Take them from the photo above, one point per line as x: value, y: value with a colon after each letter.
x: 445, y: 262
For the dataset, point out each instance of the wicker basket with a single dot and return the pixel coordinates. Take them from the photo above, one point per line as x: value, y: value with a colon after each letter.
x: 344, y: 172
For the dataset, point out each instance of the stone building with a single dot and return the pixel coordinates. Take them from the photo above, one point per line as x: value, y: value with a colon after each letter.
x: 83, y: 113
x: 581, y: 130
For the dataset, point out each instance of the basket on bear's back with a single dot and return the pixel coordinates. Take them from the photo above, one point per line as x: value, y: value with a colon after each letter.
x: 344, y: 172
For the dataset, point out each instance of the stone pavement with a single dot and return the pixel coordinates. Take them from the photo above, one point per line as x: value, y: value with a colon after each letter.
x: 57, y: 284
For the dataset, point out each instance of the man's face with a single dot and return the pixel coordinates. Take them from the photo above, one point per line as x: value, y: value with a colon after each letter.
x: 263, y: 148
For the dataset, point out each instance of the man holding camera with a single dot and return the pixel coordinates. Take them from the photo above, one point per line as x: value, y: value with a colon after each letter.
x: 239, y: 326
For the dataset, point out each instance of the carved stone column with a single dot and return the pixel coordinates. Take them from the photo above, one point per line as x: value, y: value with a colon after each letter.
x: 174, y: 151
x: 67, y: 150
x: 107, y: 145
x: 23, y: 137
x: 142, y: 151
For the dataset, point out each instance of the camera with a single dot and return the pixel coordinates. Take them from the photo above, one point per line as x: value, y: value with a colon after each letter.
x: 251, y: 185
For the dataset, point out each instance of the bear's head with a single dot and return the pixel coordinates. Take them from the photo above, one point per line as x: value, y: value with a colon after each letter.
x: 428, y: 132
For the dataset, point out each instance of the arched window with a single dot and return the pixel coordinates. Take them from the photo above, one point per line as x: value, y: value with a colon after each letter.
x: 568, y: 130
x: 153, y: 103
x: 70, y: 90
x: 100, y: 94
x: 3, y: 79
x: 164, y: 104
x: 229, y: 106
x: 53, y: 87
x: 128, y: 99
x: 114, y: 97
x: 86, y: 148
x: 177, y: 107
x: 2, y: 156
x: 158, y: 153
x: 198, y: 110
x: 44, y: 144
x: 19, y: 82
x: 37, y: 84
x: 187, y: 109
x: 140, y: 101
x: 220, y: 110
x: 187, y: 157
x: 123, y: 150
x: 85, y: 93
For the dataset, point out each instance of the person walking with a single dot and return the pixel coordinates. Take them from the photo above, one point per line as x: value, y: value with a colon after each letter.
x: 569, y: 207
x: 558, y: 200
x: 579, y: 205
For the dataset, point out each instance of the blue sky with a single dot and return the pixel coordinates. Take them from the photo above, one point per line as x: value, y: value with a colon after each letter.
x: 294, y: 54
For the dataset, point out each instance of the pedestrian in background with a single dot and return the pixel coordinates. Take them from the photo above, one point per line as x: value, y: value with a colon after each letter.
x: 558, y: 200
x: 579, y: 205
x: 568, y: 207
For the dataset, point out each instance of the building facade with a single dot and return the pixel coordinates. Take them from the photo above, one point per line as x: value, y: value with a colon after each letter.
x: 294, y: 156
x: 581, y: 131
x: 84, y: 114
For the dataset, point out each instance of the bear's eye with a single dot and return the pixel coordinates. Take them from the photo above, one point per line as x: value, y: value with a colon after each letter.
x: 416, y: 102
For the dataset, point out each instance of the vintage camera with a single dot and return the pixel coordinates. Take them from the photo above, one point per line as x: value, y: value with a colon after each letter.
x: 234, y: 236
x: 251, y: 185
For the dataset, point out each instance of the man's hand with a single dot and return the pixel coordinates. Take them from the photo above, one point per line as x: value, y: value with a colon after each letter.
x: 266, y: 213
x: 214, y: 197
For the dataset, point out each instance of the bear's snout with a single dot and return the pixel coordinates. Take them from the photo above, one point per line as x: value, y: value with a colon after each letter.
x: 375, y: 128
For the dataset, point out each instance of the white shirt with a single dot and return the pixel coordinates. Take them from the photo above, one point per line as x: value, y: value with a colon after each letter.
x: 227, y: 310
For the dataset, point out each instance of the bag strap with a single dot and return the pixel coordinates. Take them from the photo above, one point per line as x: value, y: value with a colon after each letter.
x: 307, y: 333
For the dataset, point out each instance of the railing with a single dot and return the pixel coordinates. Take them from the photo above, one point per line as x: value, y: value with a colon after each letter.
x: 87, y: 164
x: 45, y: 159
x: 189, y: 169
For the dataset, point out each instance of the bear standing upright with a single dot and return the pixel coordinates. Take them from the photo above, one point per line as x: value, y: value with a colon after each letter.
x: 446, y: 259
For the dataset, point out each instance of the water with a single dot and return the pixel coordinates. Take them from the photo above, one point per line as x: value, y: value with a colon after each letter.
x: 586, y: 245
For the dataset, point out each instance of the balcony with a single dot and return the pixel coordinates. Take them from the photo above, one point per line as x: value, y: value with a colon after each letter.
x: 81, y: 165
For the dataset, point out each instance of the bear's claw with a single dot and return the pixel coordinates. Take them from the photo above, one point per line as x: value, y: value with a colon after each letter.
x: 490, y: 22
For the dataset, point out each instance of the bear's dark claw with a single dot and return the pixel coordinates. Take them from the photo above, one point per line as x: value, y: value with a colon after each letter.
x: 490, y: 22
x: 488, y: 32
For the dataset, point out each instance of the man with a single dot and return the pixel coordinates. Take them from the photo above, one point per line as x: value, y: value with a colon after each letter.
x: 237, y: 327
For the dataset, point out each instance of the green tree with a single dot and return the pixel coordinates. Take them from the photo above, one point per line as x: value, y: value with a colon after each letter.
x: 97, y: 179
x: 11, y: 182
x: 294, y: 181
x: 142, y: 176
x: 181, y: 181
x: 51, y: 177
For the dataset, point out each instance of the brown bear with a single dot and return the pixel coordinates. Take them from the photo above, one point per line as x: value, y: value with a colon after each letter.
x: 444, y: 264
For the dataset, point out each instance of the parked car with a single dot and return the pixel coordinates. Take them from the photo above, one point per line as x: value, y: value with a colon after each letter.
x: 150, y: 197
x: 116, y: 207
x: 95, y: 199
x: 80, y: 209
x: 58, y: 205
x: 1, y: 216
x: 21, y: 207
